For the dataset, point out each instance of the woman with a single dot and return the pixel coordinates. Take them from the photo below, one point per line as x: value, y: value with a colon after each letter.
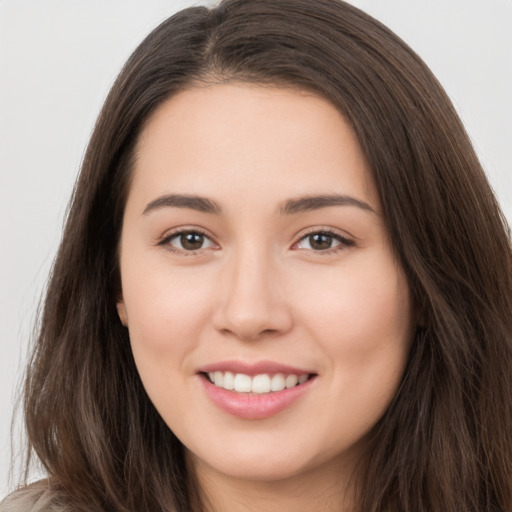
x: 284, y: 283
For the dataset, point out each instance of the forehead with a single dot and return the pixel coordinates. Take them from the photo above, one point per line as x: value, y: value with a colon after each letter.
x: 246, y: 140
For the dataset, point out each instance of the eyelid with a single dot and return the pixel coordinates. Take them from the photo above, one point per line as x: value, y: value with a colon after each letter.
x: 181, y: 230
x: 346, y: 241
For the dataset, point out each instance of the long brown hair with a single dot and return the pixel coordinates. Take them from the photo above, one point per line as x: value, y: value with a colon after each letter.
x: 445, y: 443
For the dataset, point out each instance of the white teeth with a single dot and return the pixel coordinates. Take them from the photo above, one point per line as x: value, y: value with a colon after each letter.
x: 218, y: 378
x: 243, y: 383
x: 302, y: 379
x: 278, y: 382
x: 291, y: 381
x: 259, y: 384
x: 229, y: 381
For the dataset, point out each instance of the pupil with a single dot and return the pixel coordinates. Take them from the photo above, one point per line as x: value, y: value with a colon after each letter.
x: 191, y: 241
x: 320, y: 241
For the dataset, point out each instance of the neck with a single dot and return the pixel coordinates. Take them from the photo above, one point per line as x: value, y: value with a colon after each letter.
x: 330, y: 486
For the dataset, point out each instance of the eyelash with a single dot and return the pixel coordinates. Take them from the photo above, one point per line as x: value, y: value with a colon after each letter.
x: 176, y: 234
x: 344, y: 243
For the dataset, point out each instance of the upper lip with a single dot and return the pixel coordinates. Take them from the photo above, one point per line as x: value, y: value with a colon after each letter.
x: 253, y: 368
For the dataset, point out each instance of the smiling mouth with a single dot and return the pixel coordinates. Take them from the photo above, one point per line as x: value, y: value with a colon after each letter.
x: 260, y: 384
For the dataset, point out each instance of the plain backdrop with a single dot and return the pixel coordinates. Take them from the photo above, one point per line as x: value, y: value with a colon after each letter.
x: 58, y: 59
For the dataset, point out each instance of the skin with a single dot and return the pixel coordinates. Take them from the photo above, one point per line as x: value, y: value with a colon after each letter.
x: 257, y: 289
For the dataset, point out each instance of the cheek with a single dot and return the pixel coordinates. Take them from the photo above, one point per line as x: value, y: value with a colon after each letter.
x: 363, y: 324
x: 166, y: 310
x: 362, y: 319
x: 166, y: 313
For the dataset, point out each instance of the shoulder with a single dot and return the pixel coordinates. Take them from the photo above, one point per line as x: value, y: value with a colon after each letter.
x: 37, y: 497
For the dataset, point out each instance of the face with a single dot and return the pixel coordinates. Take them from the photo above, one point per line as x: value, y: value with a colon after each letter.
x: 269, y: 320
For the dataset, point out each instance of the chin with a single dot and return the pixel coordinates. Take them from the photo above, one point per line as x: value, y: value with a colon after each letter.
x: 260, y: 462
x: 261, y: 469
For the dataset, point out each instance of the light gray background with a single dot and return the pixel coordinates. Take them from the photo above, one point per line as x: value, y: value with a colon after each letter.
x: 57, y: 61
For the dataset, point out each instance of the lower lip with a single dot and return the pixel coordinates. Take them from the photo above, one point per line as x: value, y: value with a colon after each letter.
x: 254, y: 406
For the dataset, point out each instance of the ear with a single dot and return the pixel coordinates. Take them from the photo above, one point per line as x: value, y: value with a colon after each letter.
x: 121, y: 311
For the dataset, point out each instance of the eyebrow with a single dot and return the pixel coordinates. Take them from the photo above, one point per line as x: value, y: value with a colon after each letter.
x: 201, y: 204
x: 290, y: 207
x: 309, y: 203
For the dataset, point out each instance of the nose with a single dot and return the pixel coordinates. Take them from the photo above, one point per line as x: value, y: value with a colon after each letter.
x: 252, y: 303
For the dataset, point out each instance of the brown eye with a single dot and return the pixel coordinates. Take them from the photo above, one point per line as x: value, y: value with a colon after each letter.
x: 323, y: 241
x: 320, y: 241
x: 188, y: 241
x: 191, y: 241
